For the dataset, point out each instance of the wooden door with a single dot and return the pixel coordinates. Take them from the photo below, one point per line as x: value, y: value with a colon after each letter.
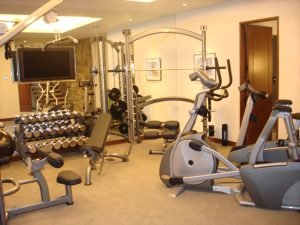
x: 258, y: 69
x: 25, y: 98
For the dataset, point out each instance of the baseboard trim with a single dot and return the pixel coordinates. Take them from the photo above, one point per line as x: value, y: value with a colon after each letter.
x: 6, y: 119
x: 219, y: 141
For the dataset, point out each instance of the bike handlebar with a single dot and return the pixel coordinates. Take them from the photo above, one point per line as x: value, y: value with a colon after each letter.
x: 259, y: 94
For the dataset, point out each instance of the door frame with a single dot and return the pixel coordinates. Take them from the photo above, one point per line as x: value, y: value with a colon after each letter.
x: 243, y: 62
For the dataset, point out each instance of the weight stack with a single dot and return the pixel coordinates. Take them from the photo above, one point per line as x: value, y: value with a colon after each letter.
x: 224, y: 134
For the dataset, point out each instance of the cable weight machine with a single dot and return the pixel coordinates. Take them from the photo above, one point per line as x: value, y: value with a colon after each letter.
x: 129, y: 70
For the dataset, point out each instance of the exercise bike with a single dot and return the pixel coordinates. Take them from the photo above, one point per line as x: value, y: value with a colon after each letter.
x: 192, y: 162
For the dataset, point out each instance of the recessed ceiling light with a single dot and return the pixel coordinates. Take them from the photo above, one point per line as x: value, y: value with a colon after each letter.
x: 64, y: 23
x: 142, y: 1
x: 184, y: 4
x: 130, y: 20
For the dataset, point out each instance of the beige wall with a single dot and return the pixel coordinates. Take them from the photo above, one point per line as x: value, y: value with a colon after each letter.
x: 223, y: 39
x: 157, y: 46
x: 9, y: 100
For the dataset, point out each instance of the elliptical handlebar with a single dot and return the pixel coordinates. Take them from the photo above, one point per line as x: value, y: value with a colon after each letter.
x: 214, y: 85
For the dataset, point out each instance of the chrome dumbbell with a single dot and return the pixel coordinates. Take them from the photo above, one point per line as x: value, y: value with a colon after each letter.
x: 36, y: 131
x: 72, y: 142
x: 80, y: 140
x: 24, y: 119
x: 58, y: 129
x: 82, y: 127
x: 31, y: 148
x: 73, y: 128
x: 40, y: 117
x: 46, y: 146
x: 64, y: 143
x: 56, y: 144
x: 28, y: 133
x: 51, y: 131
x: 32, y: 118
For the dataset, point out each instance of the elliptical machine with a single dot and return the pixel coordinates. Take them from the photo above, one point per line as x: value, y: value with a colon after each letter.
x: 191, y: 162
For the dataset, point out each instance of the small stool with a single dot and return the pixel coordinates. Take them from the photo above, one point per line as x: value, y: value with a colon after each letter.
x: 68, y: 178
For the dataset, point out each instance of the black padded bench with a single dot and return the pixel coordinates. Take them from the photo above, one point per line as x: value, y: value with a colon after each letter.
x: 167, y: 130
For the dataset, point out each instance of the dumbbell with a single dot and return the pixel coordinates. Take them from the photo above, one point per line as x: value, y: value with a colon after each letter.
x: 24, y: 119
x: 72, y: 142
x: 66, y: 129
x: 46, y: 146
x: 27, y: 132
x: 56, y: 144
x: 39, y: 117
x: 51, y: 131
x: 31, y: 148
x: 32, y: 118
x: 70, y: 115
x: 59, y: 130
x: 64, y: 143
x: 75, y: 128
x: 36, y: 131
x: 77, y: 114
x: 82, y: 127
x: 79, y: 141
x: 48, y: 116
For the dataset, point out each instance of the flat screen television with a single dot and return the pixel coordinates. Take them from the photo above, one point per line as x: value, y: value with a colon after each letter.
x: 52, y: 64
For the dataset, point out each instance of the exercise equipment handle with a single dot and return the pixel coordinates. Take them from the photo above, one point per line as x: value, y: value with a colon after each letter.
x: 53, y: 158
x: 229, y: 75
x: 218, y: 74
x: 258, y: 94
x: 14, y: 189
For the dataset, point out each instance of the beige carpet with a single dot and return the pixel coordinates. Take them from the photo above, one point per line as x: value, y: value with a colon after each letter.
x: 131, y: 193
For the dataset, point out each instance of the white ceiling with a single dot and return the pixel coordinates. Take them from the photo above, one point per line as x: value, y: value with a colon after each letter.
x: 115, y: 13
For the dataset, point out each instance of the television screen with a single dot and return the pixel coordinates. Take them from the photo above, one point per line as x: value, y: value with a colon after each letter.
x: 36, y: 65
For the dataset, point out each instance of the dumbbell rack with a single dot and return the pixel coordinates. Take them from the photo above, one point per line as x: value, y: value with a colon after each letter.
x: 60, y: 131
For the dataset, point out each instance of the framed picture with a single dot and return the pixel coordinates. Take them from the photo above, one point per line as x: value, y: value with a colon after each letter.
x: 153, y: 69
x: 210, y: 61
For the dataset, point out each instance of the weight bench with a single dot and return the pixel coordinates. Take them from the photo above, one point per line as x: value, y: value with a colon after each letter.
x: 94, y: 148
x: 66, y: 177
x: 167, y: 130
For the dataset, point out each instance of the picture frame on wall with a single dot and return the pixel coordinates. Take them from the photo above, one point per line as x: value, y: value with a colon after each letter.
x: 210, y: 61
x: 153, y: 69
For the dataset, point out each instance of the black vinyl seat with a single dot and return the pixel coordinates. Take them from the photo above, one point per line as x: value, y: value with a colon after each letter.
x: 94, y: 148
x: 68, y: 177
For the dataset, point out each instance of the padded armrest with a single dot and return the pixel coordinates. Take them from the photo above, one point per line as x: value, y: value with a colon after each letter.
x: 55, y: 160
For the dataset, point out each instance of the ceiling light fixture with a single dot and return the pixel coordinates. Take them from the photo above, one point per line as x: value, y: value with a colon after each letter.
x: 141, y: 1
x: 63, y: 24
x: 184, y: 4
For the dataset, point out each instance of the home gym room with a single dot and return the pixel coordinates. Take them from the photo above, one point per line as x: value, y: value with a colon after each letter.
x: 149, y: 112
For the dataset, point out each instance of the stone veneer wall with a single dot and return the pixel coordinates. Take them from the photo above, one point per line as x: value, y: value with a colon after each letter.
x: 83, y: 68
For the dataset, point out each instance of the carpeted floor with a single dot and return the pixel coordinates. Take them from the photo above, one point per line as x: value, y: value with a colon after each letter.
x: 131, y: 193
